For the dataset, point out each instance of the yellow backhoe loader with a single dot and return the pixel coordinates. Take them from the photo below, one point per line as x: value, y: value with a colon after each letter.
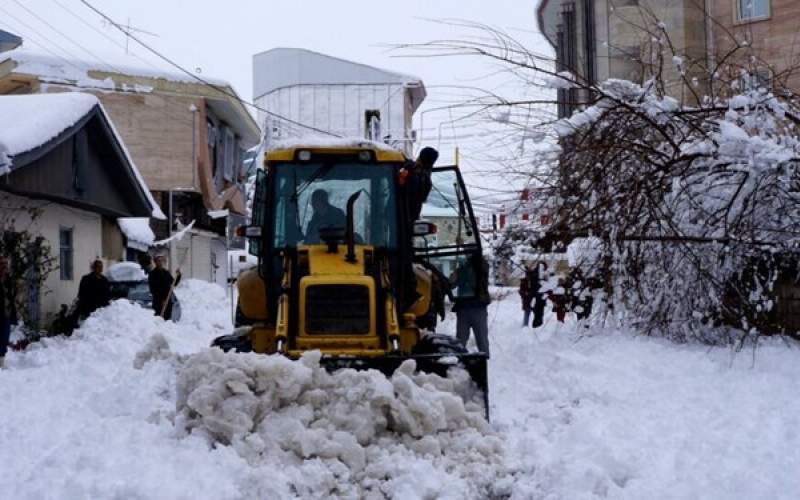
x: 343, y: 268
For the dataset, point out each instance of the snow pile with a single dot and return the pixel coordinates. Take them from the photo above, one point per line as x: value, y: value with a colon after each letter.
x: 37, y: 119
x: 356, y: 433
x: 125, y: 271
x: 138, y: 232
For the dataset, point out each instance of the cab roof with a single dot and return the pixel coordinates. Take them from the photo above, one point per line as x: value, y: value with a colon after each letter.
x: 285, y: 151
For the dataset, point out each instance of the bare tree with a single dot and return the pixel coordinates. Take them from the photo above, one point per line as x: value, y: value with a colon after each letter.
x: 693, y: 197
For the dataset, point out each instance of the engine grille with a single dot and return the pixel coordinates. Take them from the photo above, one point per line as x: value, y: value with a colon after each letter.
x: 337, y: 309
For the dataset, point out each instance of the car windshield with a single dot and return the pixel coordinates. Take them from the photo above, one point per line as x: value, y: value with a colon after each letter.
x: 313, y: 196
x: 139, y: 292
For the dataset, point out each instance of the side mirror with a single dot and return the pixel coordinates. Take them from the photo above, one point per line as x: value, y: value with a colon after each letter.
x: 423, y: 228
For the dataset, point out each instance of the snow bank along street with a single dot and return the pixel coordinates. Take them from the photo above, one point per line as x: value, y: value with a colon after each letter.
x: 135, y: 407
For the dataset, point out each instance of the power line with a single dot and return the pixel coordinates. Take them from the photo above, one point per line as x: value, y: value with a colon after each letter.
x: 77, y: 60
x: 34, y: 30
x: 218, y: 88
x: 58, y: 31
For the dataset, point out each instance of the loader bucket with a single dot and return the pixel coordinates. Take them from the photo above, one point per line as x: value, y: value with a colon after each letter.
x: 474, y: 363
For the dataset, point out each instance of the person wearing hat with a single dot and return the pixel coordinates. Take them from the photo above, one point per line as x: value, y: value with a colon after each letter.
x: 417, y: 180
x: 415, y: 184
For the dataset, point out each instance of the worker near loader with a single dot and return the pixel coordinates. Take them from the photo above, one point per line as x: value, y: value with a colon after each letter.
x: 416, y: 179
x: 94, y: 291
x: 8, y: 310
x: 415, y: 183
x: 325, y: 215
x: 471, y: 302
x: 162, y: 286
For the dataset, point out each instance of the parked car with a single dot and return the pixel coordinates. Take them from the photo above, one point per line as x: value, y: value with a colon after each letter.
x: 128, y: 281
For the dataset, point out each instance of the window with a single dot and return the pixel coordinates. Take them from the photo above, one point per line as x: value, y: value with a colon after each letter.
x: 65, y: 253
x: 747, y: 10
x: 760, y: 79
x: 313, y: 196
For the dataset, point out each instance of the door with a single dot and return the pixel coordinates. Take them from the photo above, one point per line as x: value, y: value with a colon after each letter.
x: 453, y: 252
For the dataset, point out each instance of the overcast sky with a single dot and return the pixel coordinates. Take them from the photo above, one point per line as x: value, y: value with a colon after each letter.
x: 220, y: 38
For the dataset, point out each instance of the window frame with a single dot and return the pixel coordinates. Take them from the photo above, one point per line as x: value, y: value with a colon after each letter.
x: 66, y: 254
x: 738, y: 18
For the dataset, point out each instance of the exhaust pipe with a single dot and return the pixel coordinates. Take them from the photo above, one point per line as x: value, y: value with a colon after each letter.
x: 349, y: 231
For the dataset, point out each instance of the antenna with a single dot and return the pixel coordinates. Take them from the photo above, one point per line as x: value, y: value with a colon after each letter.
x: 129, y: 30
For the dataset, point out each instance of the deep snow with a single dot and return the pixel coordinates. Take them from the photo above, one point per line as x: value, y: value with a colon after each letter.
x: 576, y: 414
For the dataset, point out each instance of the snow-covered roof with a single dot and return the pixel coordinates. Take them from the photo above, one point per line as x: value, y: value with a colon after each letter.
x: 84, y: 74
x: 53, y: 69
x: 138, y: 232
x: 126, y: 271
x: 40, y: 118
x: 285, y: 67
x: 319, y: 141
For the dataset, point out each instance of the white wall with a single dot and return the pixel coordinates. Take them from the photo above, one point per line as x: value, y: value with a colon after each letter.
x: 87, y: 244
x: 339, y: 109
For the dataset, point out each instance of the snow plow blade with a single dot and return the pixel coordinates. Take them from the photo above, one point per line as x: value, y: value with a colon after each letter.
x: 474, y: 363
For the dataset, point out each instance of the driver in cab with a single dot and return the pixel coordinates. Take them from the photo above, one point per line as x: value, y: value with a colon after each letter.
x: 325, y: 215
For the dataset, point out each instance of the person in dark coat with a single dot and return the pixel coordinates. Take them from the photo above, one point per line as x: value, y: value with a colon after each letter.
x: 8, y: 308
x: 415, y: 184
x: 526, y: 296
x: 417, y: 181
x: 94, y: 291
x: 533, y: 300
x: 325, y: 215
x: 161, y: 286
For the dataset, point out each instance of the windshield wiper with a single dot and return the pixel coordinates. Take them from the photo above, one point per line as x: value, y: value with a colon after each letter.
x: 319, y: 172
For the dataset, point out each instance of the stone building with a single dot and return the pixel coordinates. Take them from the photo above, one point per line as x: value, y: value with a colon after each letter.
x: 601, y: 39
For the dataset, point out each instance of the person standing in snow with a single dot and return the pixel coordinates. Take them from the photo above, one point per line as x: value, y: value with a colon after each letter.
x: 471, y: 302
x: 94, y: 291
x: 8, y: 308
x: 161, y: 287
x: 532, y: 297
x: 526, y: 295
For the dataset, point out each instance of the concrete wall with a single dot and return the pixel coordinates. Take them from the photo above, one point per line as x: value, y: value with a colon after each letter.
x: 624, y: 32
x: 774, y: 42
x: 629, y: 29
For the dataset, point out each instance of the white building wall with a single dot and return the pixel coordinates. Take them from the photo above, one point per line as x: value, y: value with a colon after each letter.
x: 337, y: 108
x: 87, y: 245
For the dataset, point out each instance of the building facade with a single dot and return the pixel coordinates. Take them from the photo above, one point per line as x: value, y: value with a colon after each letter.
x: 683, y: 40
x: 65, y: 180
x: 187, y: 138
x: 316, y: 94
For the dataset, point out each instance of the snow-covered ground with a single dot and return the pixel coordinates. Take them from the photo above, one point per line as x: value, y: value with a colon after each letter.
x: 132, y: 407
